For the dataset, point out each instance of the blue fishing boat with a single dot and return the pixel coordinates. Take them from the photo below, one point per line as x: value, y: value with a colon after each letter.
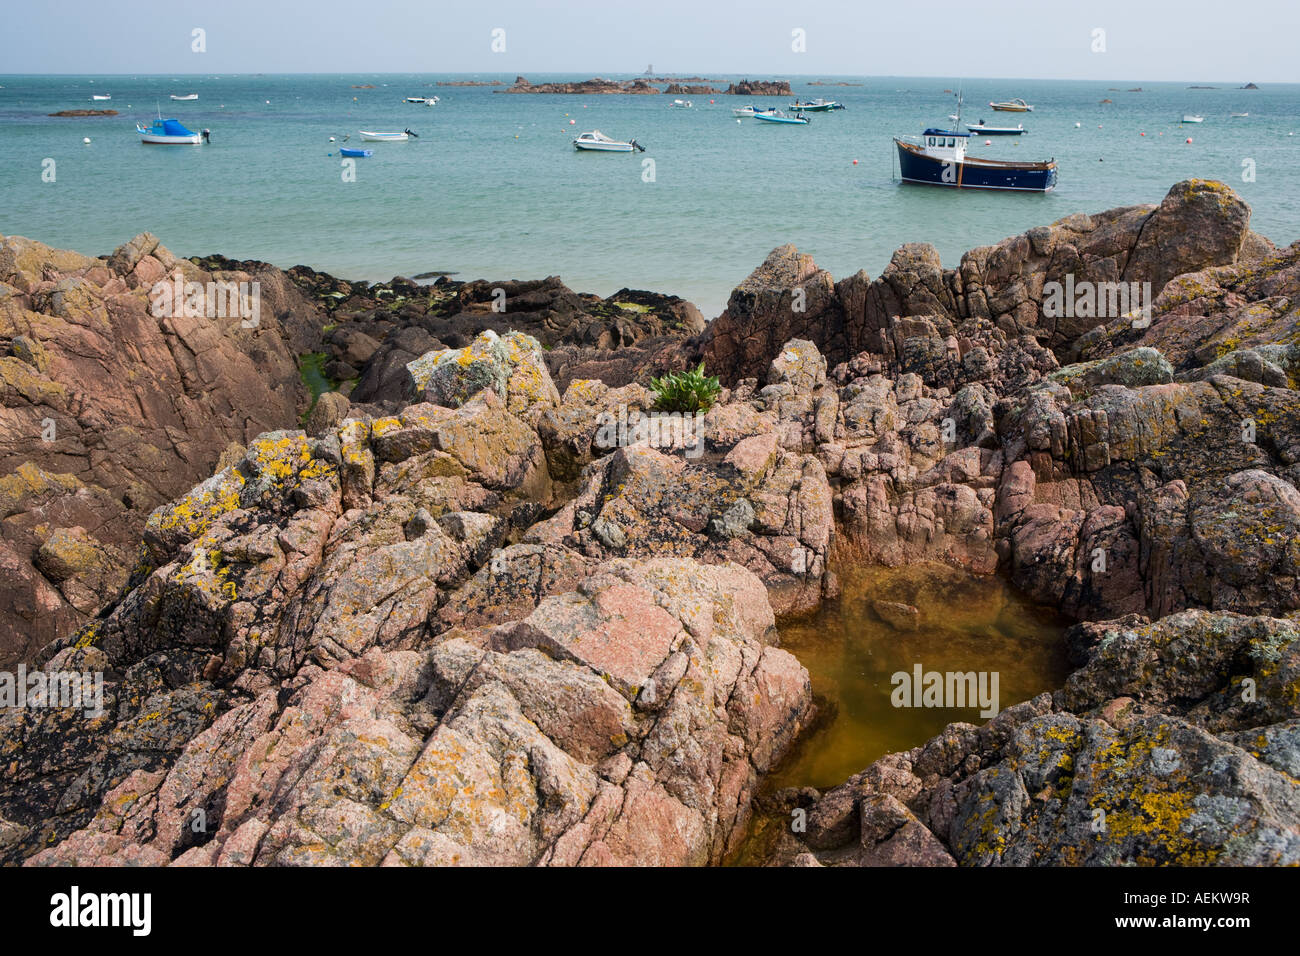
x: 940, y: 159
x: 353, y: 151
x: 170, y: 132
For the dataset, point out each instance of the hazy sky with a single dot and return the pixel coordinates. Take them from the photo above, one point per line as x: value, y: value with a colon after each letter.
x: 1249, y: 40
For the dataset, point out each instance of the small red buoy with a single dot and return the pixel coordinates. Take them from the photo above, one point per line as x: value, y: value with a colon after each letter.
x: 1141, y: 134
x: 1189, y: 139
x: 988, y: 142
x: 571, y: 122
x: 855, y: 162
x: 710, y: 101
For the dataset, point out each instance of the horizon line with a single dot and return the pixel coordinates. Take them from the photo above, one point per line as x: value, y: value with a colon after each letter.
x: 642, y: 75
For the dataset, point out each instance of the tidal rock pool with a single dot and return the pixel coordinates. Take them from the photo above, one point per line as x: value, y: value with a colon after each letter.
x: 865, y: 650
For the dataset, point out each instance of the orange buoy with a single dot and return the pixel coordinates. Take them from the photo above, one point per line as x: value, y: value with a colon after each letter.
x: 855, y: 162
x: 988, y: 142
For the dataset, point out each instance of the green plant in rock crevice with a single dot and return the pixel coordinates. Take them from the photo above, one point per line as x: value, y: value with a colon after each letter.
x: 688, y: 391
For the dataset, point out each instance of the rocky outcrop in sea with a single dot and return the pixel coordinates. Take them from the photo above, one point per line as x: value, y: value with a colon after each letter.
x: 462, y: 618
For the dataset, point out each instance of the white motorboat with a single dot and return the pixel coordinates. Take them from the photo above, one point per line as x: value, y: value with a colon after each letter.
x: 101, y: 96
x: 368, y: 136
x: 1238, y: 115
x: 751, y: 110
x: 983, y: 129
x: 187, y: 96
x: 426, y: 100
x: 1013, y: 106
x: 170, y: 132
x: 598, y: 142
x: 682, y: 104
x: 815, y: 106
x: 1193, y: 118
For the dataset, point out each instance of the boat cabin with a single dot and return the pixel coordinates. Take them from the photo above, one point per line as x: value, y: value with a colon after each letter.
x: 944, y: 144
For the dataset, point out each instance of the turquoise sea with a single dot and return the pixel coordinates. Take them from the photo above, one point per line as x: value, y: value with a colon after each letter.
x: 492, y: 188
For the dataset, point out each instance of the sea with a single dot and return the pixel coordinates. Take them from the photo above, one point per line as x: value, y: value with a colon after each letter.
x: 493, y: 188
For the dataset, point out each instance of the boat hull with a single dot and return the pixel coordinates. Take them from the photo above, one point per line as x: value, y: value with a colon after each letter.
x: 996, y: 131
x: 154, y: 139
x: 603, y: 147
x: 915, y: 167
x: 383, y: 137
x: 768, y: 118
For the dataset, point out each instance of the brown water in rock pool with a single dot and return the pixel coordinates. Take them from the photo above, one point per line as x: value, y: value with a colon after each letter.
x: 963, y: 622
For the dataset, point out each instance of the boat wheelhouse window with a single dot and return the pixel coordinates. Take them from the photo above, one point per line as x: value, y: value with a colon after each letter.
x: 952, y: 141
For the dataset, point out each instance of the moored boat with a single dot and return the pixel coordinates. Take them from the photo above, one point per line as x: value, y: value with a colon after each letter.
x: 597, y: 142
x: 816, y: 106
x: 369, y: 136
x: 101, y: 96
x: 354, y: 151
x: 1012, y: 106
x: 187, y: 96
x: 426, y: 100
x: 1193, y: 118
x: 1238, y: 115
x: 982, y: 130
x: 776, y: 116
x: 682, y: 104
x: 939, y: 159
x: 170, y: 132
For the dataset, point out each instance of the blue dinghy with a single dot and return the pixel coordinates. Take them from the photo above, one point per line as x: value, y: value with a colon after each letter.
x: 352, y: 151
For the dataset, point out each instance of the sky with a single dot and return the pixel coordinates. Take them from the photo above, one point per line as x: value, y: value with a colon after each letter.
x: 1153, y: 40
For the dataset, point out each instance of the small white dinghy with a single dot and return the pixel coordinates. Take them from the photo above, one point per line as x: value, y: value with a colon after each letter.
x: 101, y: 96
x: 598, y: 142
x: 682, y: 104
x: 426, y: 100
x: 187, y: 96
x: 1193, y: 118
x: 368, y: 136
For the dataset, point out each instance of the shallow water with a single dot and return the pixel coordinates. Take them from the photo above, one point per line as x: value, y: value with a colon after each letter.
x: 965, y: 623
